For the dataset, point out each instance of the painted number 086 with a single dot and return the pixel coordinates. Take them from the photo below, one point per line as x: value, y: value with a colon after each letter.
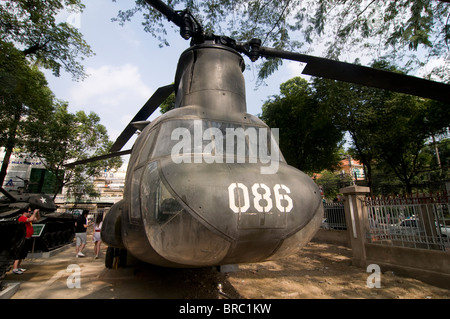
x: 262, y: 198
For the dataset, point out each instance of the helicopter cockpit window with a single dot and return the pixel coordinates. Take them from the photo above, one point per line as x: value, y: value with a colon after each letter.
x: 134, y: 155
x: 157, y: 204
x: 135, y: 209
x: 207, y: 141
x: 148, y: 146
x: 185, y: 134
x: 149, y: 189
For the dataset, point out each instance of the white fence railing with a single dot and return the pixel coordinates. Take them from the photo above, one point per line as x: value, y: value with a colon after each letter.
x: 334, y: 216
x: 416, y: 222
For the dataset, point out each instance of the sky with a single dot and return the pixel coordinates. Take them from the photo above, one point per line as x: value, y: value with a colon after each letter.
x: 129, y: 66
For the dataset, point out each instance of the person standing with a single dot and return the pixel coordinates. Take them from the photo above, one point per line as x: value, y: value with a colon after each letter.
x: 96, y: 234
x: 81, y: 226
x: 27, y: 217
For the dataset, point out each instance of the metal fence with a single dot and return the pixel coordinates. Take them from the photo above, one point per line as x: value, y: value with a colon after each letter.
x: 334, y: 216
x: 416, y: 222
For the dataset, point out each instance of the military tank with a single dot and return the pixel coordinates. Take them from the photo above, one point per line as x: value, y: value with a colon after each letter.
x: 52, y: 230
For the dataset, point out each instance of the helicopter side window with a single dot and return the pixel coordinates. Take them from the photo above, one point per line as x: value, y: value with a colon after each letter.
x: 135, y: 208
x: 168, y: 206
x: 134, y: 155
x: 148, y: 146
x: 149, y: 189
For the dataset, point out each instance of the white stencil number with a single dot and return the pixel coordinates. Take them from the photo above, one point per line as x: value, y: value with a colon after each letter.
x: 239, y: 198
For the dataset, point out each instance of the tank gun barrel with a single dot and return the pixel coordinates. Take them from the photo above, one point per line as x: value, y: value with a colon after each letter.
x: 7, y: 194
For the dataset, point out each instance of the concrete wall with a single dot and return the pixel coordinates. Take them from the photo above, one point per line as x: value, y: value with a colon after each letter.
x: 335, y: 237
x: 430, y: 266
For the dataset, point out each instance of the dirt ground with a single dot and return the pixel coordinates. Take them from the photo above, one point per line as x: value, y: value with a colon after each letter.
x: 321, y: 271
x: 324, y: 271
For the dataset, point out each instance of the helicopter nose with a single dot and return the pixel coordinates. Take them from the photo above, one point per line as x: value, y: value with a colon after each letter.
x: 253, y: 216
x: 174, y: 233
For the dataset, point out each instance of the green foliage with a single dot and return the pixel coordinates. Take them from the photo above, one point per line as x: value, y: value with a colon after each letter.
x: 330, y: 183
x: 400, y: 30
x: 388, y: 130
x: 31, y: 26
x: 32, y: 121
x: 168, y: 104
x: 24, y: 95
x: 24, y: 99
x: 71, y: 137
x: 308, y: 138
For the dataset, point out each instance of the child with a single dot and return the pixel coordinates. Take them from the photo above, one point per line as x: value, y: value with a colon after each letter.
x: 96, y: 235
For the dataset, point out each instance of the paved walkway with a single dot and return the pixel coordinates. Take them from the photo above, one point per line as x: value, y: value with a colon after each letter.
x: 59, y: 275
x: 64, y: 276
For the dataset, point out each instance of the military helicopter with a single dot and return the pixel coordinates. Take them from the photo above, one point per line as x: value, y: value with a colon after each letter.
x: 206, y: 184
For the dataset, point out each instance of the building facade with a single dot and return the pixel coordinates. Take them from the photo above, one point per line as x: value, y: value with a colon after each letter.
x: 353, y: 168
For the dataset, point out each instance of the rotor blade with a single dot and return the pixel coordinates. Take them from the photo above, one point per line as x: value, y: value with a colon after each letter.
x: 167, y: 11
x: 149, y: 107
x: 363, y: 75
x: 98, y: 158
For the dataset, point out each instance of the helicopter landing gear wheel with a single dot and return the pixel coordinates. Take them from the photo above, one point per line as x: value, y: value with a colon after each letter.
x: 115, y: 258
x: 109, y: 258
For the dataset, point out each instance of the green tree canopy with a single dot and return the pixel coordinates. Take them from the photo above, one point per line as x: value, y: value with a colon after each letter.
x: 25, y: 100
x: 168, y: 104
x: 308, y: 138
x: 32, y: 120
x: 407, y: 32
x: 71, y: 137
x: 32, y: 28
x: 387, y: 129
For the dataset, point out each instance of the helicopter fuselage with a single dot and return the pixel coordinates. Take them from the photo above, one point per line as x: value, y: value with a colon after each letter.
x: 206, y: 183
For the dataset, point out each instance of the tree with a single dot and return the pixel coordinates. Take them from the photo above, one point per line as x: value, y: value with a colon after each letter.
x: 25, y: 100
x: 399, y: 140
x: 308, y: 138
x: 31, y: 27
x: 168, y: 104
x: 71, y: 137
x: 354, y: 110
x: 407, y: 32
x: 438, y: 152
x: 30, y: 38
x: 413, y: 32
x: 387, y: 128
x: 331, y: 183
